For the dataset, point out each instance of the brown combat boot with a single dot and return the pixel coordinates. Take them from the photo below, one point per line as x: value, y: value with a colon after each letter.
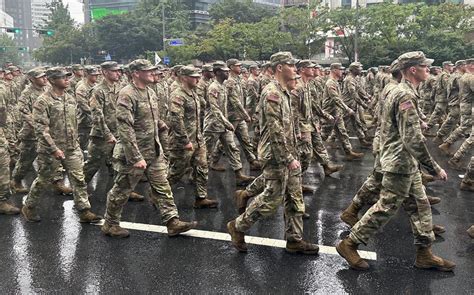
x: 8, y: 209
x: 238, y: 238
x: 433, y: 200
x: 136, y: 197
x: 87, y: 216
x: 255, y: 165
x: 302, y: 247
x: 348, y: 250
x: 445, y: 148
x: 176, y: 226
x: 205, y: 203
x: 438, y: 140
x: 456, y: 164
x: 217, y: 167
x: 241, y: 198
x: 470, y: 231
x: 350, y: 215
x: 426, y: 260
x: 351, y: 156
x: 330, y: 169
x: 467, y: 186
x: 30, y: 214
x: 241, y: 179
x: 61, y: 188
x: 114, y: 230
x: 426, y: 178
x: 17, y: 187
x: 438, y: 229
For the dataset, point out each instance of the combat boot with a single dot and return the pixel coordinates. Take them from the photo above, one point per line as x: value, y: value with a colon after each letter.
x: 302, y: 247
x: 351, y: 156
x: 114, y: 230
x: 87, y: 216
x: 61, y: 188
x: 238, y: 237
x: 241, y: 198
x: 456, y: 164
x: 470, y: 231
x: 242, y: 179
x: 205, y: 203
x: 445, y: 148
x: 255, y: 165
x: 426, y: 178
x: 348, y: 250
x: 217, y: 167
x: 8, y: 209
x: 465, y: 186
x: 433, y: 200
x: 30, y: 214
x: 307, y: 189
x: 136, y: 197
x: 17, y: 187
x: 176, y: 226
x: 438, y: 229
x: 426, y: 260
x: 330, y: 169
x: 438, y: 140
x: 350, y: 215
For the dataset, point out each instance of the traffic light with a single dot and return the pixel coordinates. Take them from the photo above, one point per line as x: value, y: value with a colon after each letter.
x: 45, y: 32
x: 3, y: 49
x: 22, y: 49
x: 14, y: 30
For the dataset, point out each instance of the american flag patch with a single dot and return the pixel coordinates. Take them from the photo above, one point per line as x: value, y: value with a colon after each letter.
x: 406, y: 105
x: 273, y: 97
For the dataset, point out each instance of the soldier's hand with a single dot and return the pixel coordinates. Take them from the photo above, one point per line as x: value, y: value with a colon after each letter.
x: 59, y: 154
x: 248, y: 119
x: 442, y: 175
x: 189, y: 146
x: 424, y: 126
x: 230, y: 127
x: 112, y: 140
x: 140, y: 164
x: 295, y: 164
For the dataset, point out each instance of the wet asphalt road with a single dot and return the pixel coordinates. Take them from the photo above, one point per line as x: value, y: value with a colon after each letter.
x: 61, y: 256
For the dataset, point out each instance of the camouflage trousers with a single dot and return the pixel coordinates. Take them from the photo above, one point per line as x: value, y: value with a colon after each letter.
x: 27, y: 156
x: 369, y: 192
x: 469, y: 176
x: 357, y: 122
x: 126, y: 179
x: 280, y: 185
x: 48, y: 167
x: 465, y: 148
x: 465, y: 124
x: 196, y: 159
x: 4, y: 174
x: 398, y: 190
x: 99, y: 152
x: 242, y: 133
x: 305, y: 151
x: 83, y: 133
x: 319, y: 150
x: 427, y: 107
x: 340, y: 132
x: 438, y: 113
x: 226, y: 139
x: 450, y: 123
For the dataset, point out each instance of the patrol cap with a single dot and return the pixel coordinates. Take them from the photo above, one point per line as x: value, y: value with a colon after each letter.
x: 206, y: 68
x: 253, y: 66
x: 460, y: 62
x: 2, y: 70
x: 176, y: 68
x: 355, y: 65
x: 77, y: 67
x: 447, y: 63
x: 36, y: 73
x: 13, y: 68
x: 305, y: 63
x: 91, y: 70
x: 110, y: 65
x: 233, y: 62
x: 413, y: 58
x: 395, y: 66
x: 57, y: 72
x: 470, y: 61
x: 266, y: 64
x: 141, y: 65
x: 220, y: 65
x: 244, y: 70
x: 189, y: 71
x: 282, y: 57
x: 336, y: 66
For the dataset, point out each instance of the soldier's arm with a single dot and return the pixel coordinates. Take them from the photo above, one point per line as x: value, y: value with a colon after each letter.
x: 295, y: 100
x: 234, y: 100
x: 410, y: 132
x: 352, y: 89
x: 252, y: 96
x: 334, y: 94
x: 176, y: 119
x: 126, y: 133
x: 41, y: 121
x: 82, y: 100
x: 97, y: 103
x: 215, y: 110
x: 24, y: 108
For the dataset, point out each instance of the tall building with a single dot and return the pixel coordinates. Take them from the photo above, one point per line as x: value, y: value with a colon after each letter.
x: 96, y: 9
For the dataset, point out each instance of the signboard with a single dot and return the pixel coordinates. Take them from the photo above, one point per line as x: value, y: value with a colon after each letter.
x: 166, y: 60
x: 175, y: 42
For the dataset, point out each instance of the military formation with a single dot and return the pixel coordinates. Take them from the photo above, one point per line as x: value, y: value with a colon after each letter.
x: 151, y: 123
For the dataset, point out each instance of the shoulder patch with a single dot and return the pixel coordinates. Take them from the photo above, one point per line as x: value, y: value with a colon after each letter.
x: 178, y: 100
x: 406, y: 105
x: 273, y: 97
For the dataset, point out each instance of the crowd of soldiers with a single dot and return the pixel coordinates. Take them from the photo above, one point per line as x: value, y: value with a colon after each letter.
x: 151, y: 123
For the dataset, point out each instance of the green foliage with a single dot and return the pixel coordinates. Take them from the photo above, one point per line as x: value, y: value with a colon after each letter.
x: 8, y: 50
x: 241, y: 11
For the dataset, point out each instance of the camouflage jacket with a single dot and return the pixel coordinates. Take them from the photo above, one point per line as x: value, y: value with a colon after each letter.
x: 162, y: 95
x: 3, y: 120
x: 235, y: 99
x: 316, y: 87
x: 252, y: 95
x: 453, y: 89
x: 139, y: 127
x: 185, y: 108
x: 466, y: 93
x: 73, y: 84
x: 83, y: 95
x: 427, y: 89
x: 441, y: 87
x: 103, y: 104
x: 215, y: 119
x: 402, y: 146
x: 352, y: 93
x: 277, y: 145
x: 25, y: 106
x: 55, y: 122
x: 332, y: 100
x: 301, y: 107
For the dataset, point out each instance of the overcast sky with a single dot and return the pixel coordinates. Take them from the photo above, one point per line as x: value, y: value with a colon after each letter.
x: 75, y: 8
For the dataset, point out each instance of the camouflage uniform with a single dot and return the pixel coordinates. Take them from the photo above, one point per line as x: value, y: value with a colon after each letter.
x: 427, y: 94
x: 441, y: 100
x: 469, y: 176
x: 202, y: 93
x: 400, y: 127
x: 453, y: 106
x: 138, y: 129
x: 8, y: 89
x: 4, y: 156
x: 84, y: 114
x: 352, y: 98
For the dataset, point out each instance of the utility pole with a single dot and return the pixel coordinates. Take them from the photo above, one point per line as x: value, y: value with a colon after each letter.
x: 164, y: 27
x: 356, y: 34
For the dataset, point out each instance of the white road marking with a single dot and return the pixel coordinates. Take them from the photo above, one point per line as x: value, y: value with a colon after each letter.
x: 195, y: 233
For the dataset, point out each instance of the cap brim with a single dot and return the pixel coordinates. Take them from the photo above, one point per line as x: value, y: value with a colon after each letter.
x: 40, y: 75
x: 195, y: 75
x: 427, y: 62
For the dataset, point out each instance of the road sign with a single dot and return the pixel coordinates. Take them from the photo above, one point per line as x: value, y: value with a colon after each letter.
x: 175, y: 42
x: 166, y: 60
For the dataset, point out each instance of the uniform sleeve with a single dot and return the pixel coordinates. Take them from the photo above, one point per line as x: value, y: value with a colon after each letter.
x: 41, y: 119
x: 213, y: 98
x: 25, y: 111
x: 176, y: 118
x: 234, y: 100
x: 126, y: 133
x: 82, y: 100
x: 333, y: 93
x: 97, y: 103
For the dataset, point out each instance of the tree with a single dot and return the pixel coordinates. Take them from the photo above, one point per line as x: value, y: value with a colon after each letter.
x: 8, y: 50
x: 243, y: 11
